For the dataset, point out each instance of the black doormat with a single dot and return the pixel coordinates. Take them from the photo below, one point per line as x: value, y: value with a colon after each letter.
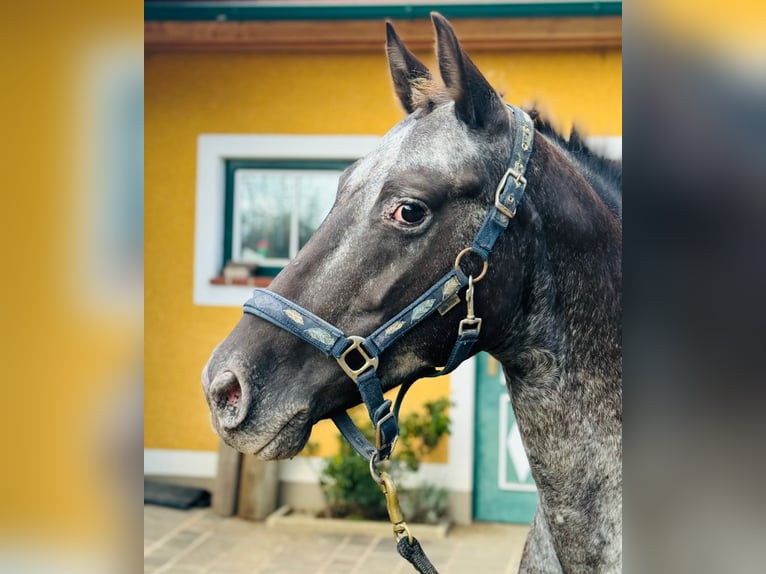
x: 175, y: 496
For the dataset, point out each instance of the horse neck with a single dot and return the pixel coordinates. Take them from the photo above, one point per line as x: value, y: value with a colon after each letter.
x: 562, y: 357
x: 571, y: 305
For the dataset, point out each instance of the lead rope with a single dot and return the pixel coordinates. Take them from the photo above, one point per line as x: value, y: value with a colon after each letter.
x: 406, y: 544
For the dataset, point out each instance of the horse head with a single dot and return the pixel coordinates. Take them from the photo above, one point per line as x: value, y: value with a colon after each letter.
x: 401, y: 215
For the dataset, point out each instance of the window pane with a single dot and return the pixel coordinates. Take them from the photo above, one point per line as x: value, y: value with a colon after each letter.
x: 277, y: 210
x: 263, y: 208
x: 317, y: 195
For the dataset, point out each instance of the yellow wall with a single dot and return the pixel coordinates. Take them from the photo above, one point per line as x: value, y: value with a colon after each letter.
x: 190, y: 94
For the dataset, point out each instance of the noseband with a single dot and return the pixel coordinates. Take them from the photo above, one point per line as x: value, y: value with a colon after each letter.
x: 358, y: 356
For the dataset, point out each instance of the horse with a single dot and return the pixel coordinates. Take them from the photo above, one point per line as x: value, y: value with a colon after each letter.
x: 549, y: 298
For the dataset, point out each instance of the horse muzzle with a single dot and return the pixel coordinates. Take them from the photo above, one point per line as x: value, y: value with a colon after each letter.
x: 238, y: 412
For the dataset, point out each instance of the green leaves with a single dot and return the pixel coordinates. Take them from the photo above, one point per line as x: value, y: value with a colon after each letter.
x: 351, y: 492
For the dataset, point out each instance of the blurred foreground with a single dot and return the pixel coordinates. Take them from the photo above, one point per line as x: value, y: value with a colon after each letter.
x: 71, y: 298
x: 694, y: 230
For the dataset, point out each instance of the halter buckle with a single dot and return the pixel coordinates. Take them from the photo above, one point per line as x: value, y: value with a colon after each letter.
x: 520, y: 181
x: 369, y: 362
x: 469, y: 323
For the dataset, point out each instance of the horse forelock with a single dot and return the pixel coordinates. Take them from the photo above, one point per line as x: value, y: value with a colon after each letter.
x: 427, y: 93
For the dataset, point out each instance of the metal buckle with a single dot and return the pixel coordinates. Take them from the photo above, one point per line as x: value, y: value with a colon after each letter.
x: 520, y: 180
x: 356, y: 344
x: 378, y: 426
x: 468, y: 323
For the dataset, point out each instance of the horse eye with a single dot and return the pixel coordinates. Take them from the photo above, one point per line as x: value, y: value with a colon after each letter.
x: 410, y: 213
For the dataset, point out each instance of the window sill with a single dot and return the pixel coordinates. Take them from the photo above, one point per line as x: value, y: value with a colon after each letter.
x: 249, y: 282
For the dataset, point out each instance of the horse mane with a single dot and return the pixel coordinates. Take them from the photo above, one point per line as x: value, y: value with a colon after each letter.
x: 602, y: 173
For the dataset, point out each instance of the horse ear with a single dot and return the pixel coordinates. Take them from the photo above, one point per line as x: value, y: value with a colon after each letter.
x: 476, y: 101
x: 405, y: 67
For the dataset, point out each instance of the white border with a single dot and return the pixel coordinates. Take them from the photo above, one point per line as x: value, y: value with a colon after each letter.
x: 212, y: 152
x: 167, y: 462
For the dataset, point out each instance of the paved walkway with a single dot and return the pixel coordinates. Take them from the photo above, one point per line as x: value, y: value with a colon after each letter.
x: 200, y: 542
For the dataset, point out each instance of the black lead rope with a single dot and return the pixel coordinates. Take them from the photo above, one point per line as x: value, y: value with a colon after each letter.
x: 358, y: 356
x: 413, y: 553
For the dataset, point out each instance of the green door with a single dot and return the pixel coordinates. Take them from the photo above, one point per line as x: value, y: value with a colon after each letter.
x: 503, y: 487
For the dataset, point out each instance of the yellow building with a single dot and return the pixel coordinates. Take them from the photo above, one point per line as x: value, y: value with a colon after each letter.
x: 307, y: 83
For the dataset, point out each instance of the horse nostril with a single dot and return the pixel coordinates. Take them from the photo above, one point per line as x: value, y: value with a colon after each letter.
x: 226, y: 396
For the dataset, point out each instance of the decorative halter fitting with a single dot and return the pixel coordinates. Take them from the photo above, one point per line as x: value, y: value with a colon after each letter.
x: 358, y: 356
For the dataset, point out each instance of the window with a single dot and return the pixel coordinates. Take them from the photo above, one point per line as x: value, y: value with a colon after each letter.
x: 241, y: 178
x: 273, y: 208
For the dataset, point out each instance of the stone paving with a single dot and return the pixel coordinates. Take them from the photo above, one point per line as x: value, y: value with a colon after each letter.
x: 200, y: 542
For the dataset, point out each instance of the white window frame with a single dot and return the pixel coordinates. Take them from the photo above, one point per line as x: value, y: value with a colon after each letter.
x: 212, y: 152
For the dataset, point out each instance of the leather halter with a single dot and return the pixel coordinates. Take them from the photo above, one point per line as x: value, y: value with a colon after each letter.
x: 358, y: 356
